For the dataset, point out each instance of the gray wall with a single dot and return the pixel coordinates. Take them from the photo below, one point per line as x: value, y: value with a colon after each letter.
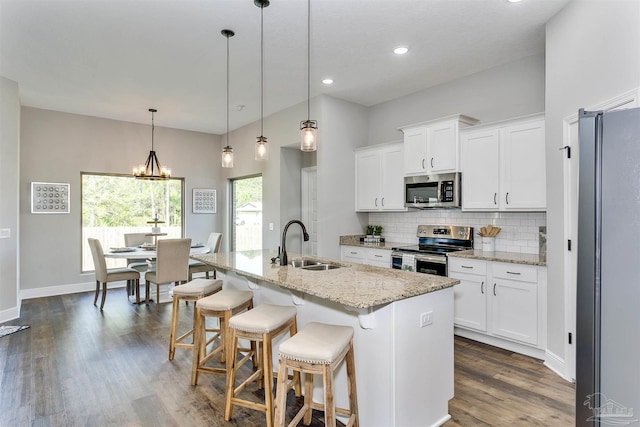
x: 340, y: 130
x: 592, y: 55
x: 9, y: 176
x: 56, y: 147
x: 506, y: 91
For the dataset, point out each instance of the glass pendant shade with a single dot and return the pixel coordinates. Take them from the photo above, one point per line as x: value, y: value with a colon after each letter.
x: 262, y: 149
x: 227, y: 157
x: 309, y: 130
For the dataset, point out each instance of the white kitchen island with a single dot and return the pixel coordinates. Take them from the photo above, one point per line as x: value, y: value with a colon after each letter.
x: 403, y: 325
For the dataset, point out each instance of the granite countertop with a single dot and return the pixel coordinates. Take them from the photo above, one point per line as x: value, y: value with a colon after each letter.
x: 512, y: 257
x: 353, y: 285
x: 355, y: 241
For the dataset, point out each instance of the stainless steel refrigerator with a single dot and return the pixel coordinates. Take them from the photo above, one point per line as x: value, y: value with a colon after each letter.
x: 608, y: 300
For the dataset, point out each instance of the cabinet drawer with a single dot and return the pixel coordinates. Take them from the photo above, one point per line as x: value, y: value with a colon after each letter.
x: 379, y: 255
x: 521, y: 273
x: 469, y: 266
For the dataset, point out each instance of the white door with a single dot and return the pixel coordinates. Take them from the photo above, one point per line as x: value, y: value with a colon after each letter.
x: 415, y: 150
x: 310, y: 210
x: 442, y: 147
x: 470, y: 301
x: 480, y: 151
x: 392, y: 177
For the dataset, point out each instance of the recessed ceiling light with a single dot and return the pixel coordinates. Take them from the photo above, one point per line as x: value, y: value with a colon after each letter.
x: 513, y: 1
x: 327, y: 81
x: 401, y: 50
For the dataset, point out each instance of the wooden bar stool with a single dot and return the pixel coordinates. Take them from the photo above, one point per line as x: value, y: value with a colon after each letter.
x: 191, y: 291
x: 317, y: 349
x: 223, y: 305
x: 262, y: 325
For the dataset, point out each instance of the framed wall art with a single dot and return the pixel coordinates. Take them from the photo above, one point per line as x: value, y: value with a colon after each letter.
x: 49, y: 198
x: 204, y: 200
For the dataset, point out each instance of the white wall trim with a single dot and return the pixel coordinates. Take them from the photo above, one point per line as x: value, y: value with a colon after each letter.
x: 557, y: 365
x: 10, y: 314
x: 65, y: 289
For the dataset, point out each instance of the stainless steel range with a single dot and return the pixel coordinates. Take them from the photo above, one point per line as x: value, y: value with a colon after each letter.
x: 434, y: 243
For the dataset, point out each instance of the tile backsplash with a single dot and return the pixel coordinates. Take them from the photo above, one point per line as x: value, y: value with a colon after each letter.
x: 520, y: 230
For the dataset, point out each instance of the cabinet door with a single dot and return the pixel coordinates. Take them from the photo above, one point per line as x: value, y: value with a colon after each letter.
x: 368, y: 176
x: 415, y: 150
x: 514, y: 310
x: 392, y: 160
x: 479, y: 159
x: 523, y: 159
x: 442, y: 147
x: 470, y: 301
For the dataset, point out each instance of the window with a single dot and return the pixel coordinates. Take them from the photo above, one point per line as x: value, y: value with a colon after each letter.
x: 246, y: 211
x: 113, y: 205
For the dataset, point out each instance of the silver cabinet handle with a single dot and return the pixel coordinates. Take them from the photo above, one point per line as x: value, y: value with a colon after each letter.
x: 482, y: 287
x: 513, y: 272
x: 376, y: 202
x: 383, y: 201
x: 506, y: 198
x: 494, y: 198
x: 423, y: 163
x: 494, y: 290
x: 378, y: 256
x: 466, y: 266
x: 432, y: 162
x: 353, y: 253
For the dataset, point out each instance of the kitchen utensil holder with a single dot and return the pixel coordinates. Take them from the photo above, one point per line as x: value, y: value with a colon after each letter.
x: 488, y: 244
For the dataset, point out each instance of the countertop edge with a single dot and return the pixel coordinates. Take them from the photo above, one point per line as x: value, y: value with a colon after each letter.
x: 509, y: 257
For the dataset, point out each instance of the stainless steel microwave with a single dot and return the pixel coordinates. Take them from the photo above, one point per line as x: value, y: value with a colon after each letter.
x: 440, y: 191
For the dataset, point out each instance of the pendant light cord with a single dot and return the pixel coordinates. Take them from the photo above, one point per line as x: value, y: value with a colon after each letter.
x: 262, y: 70
x: 152, y: 130
x: 227, y: 36
x: 308, y: 59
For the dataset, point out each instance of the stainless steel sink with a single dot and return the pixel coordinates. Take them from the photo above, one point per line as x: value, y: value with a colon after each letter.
x: 312, y: 265
x: 301, y: 262
x: 321, y: 267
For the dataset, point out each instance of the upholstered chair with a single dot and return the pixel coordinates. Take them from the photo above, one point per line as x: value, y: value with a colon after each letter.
x: 215, y: 239
x: 172, y: 265
x: 104, y: 275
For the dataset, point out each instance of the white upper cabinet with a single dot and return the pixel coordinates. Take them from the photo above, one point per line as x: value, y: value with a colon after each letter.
x: 503, y: 166
x: 380, y: 178
x: 433, y: 147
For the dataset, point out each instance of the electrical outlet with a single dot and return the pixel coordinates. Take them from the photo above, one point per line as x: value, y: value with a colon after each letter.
x: 426, y: 319
x: 271, y: 226
x: 5, y: 233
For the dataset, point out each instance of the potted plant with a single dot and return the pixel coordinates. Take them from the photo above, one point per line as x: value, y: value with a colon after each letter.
x: 377, y: 230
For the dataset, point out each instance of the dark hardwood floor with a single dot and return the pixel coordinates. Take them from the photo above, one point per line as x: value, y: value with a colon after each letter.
x: 78, y: 366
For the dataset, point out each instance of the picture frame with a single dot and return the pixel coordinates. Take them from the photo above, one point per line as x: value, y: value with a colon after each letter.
x: 205, y: 200
x: 50, y: 198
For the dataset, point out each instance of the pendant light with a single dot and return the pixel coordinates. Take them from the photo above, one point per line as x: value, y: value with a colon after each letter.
x: 152, y: 170
x: 227, y: 151
x: 308, y: 127
x: 262, y: 147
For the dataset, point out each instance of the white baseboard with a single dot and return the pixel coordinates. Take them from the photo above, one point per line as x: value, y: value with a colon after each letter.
x: 64, y: 289
x: 525, y: 349
x: 556, y: 364
x: 10, y: 314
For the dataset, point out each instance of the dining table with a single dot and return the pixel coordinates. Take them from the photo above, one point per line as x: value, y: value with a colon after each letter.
x: 149, y: 253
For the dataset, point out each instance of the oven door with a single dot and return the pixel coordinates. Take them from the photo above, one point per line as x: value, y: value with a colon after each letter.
x: 431, y: 264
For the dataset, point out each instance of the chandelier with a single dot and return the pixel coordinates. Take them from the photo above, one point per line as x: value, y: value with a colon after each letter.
x: 151, y: 169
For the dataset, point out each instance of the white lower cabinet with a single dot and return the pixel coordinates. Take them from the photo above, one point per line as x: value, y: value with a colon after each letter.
x: 368, y: 256
x: 504, y: 302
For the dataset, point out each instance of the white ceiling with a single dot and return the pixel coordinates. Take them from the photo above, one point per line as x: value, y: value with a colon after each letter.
x: 116, y: 58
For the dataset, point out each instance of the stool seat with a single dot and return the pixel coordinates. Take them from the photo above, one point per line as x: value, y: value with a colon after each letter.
x: 318, y: 349
x: 226, y: 299
x: 198, y: 287
x: 221, y: 305
x: 263, y: 319
x: 260, y: 325
x: 317, y: 343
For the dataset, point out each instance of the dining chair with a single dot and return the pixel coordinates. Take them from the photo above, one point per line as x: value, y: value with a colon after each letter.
x: 172, y: 265
x: 132, y: 240
x: 105, y: 275
x: 214, y: 241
